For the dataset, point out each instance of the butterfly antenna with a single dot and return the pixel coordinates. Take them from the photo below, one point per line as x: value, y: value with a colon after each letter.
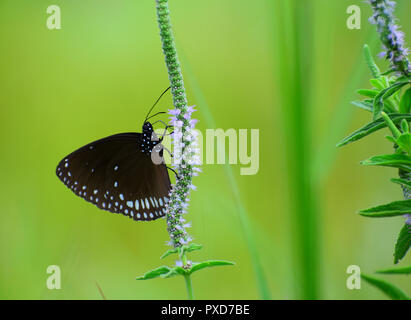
x: 155, y: 115
x: 156, y: 103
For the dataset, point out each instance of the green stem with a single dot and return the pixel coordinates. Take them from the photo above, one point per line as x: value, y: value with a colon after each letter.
x: 187, y: 278
x: 294, y: 58
x: 189, y: 287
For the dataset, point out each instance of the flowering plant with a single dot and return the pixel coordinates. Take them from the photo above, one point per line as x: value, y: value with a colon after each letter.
x: 390, y: 108
x: 185, y: 161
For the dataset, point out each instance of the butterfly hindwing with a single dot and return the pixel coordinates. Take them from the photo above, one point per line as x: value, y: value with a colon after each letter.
x: 113, y: 174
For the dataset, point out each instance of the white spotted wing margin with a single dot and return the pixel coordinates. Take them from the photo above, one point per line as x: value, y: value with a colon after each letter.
x: 113, y: 174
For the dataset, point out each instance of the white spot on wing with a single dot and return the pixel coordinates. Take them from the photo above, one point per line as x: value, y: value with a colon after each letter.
x: 130, y: 204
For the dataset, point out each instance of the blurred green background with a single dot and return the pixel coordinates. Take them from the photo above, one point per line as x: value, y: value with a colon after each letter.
x: 99, y: 75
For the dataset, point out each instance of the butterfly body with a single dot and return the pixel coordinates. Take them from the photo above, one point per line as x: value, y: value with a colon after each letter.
x: 117, y: 174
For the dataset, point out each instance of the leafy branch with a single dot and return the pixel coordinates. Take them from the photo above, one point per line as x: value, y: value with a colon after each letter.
x: 186, y: 269
x: 390, y: 109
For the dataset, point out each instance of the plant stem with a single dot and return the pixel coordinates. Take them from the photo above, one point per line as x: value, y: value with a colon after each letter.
x: 189, y: 287
x: 294, y: 61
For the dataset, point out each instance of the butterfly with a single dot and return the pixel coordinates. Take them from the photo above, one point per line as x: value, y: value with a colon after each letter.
x: 118, y: 174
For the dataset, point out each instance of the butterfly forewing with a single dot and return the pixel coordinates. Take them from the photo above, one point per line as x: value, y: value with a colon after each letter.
x: 113, y: 174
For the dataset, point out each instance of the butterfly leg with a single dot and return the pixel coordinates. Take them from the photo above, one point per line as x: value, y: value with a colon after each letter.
x: 171, y: 155
x: 177, y: 176
x: 164, y: 133
x: 161, y: 122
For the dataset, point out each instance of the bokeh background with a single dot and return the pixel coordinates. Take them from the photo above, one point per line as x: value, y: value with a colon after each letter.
x: 288, y: 68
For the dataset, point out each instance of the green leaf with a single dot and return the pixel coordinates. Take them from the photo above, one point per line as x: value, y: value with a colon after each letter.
x: 187, y: 248
x: 363, y: 105
x: 396, y: 208
x: 176, y: 271
x: 191, y: 247
x: 406, y: 270
x: 403, y: 243
x: 384, y: 95
x: 404, y: 141
x: 393, y: 128
x: 405, y: 103
x: 389, y: 289
x: 370, y: 62
x: 154, y: 273
x: 372, y: 127
x: 169, y: 252
x: 378, y: 84
x: 209, y: 263
x: 368, y: 92
x: 404, y: 126
x: 396, y: 160
x: 403, y: 182
x: 391, y: 139
x: 388, y: 72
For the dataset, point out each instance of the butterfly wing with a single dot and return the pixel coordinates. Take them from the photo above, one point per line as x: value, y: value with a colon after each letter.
x: 113, y: 174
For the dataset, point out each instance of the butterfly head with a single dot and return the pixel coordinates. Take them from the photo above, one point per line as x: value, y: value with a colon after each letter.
x: 149, y: 138
x: 147, y: 127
